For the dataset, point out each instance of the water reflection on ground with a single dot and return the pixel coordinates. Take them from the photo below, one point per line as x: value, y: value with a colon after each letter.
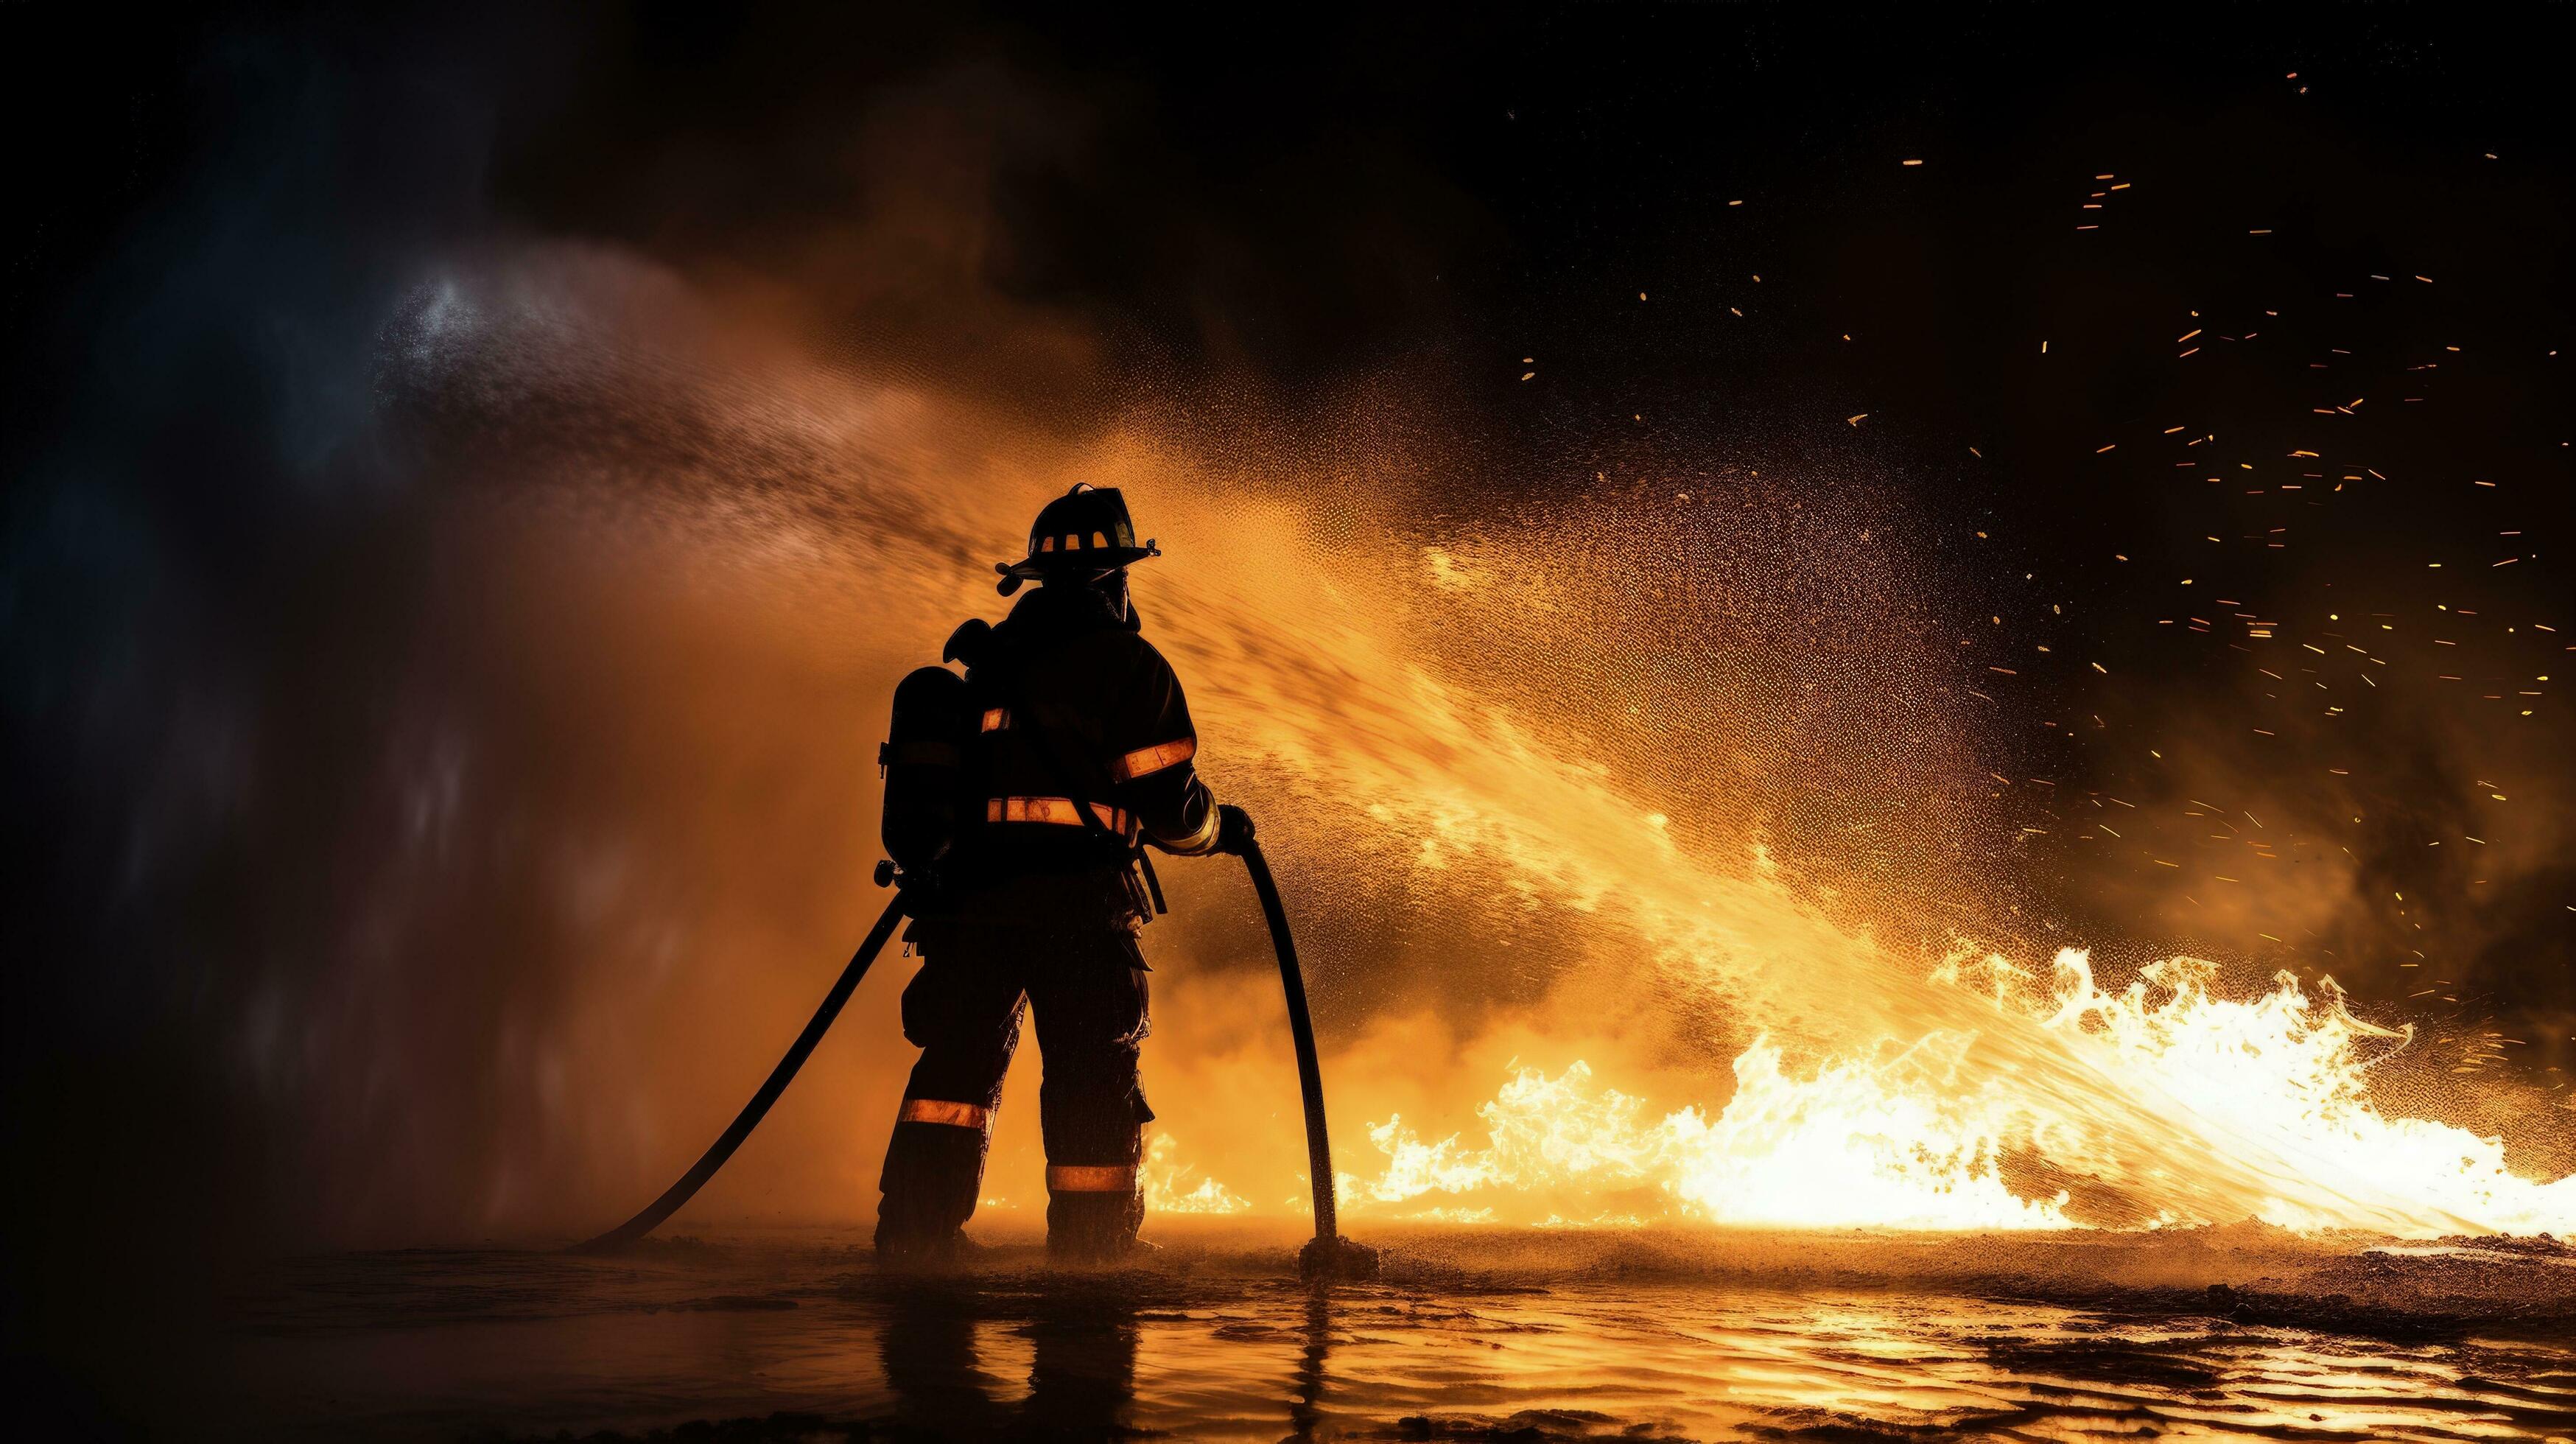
x: 814, y: 1343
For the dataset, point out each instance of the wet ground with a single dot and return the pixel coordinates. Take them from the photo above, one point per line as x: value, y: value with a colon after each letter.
x: 1469, y: 1336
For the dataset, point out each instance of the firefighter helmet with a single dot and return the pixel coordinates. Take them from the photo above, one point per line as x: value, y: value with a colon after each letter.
x: 1085, y: 530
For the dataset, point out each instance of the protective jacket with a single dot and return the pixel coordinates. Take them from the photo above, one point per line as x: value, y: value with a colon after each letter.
x: 1071, y: 705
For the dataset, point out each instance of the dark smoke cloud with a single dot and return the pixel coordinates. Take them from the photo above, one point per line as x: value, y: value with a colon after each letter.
x: 215, y: 574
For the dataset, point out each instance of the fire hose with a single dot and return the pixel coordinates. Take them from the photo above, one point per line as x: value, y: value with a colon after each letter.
x: 1328, y: 1254
x: 779, y: 1077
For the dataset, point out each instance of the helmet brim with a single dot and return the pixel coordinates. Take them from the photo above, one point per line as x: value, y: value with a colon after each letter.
x: 1090, y: 559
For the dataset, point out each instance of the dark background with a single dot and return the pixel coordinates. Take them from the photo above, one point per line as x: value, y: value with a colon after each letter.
x: 209, y: 209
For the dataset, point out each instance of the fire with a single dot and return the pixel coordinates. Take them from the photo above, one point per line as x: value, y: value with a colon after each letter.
x: 1855, y: 1144
x: 1169, y: 1189
x: 1927, y: 1135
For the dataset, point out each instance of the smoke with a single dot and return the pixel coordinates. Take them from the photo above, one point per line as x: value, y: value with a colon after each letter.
x: 214, y: 591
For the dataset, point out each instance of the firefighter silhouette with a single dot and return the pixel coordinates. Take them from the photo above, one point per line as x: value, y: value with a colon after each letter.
x: 1020, y: 801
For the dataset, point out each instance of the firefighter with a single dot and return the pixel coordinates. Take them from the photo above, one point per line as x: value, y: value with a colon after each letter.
x: 1073, y: 752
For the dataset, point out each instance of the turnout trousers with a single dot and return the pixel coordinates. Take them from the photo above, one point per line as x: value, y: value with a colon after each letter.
x: 1086, y: 987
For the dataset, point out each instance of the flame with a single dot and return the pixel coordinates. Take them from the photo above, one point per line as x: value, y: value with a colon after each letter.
x: 1850, y: 1146
x: 1168, y: 1188
x: 1924, y: 1135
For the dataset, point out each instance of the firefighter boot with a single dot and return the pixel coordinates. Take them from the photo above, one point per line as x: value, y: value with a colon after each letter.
x: 933, y: 1172
x: 1093, y: 1213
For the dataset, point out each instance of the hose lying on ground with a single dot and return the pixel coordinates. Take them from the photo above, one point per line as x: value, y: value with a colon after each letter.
x: 758, y: 1108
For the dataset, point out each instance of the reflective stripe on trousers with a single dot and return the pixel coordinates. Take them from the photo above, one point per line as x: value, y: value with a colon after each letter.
x: 941, y: 1110
x: 1090, y: 1178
